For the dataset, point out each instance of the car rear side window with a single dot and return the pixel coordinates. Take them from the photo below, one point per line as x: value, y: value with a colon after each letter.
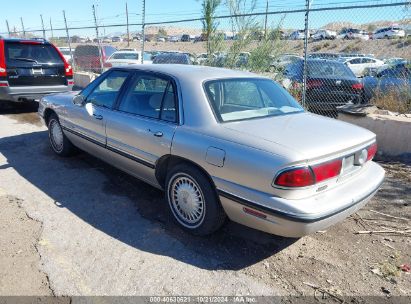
x: 31, y: 52
x: 151, y: 96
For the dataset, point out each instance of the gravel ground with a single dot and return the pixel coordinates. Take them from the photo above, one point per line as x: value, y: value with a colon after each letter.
x: 77, y: 226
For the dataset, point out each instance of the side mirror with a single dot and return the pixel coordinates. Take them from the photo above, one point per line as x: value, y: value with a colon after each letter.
x: 79, y: 100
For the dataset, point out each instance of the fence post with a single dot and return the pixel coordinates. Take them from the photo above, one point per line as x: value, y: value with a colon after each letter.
x: 42, y: 26
x: 128, y: 31
x: 143, y: 17
x: 51, y: 28
x: 68, y: 38
x: 22, y: 25
x: 98, y: 39
x: 8, y: 28
x: 307, y: 11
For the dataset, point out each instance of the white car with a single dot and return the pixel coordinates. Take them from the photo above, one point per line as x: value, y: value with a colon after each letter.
x: 121, y: 58
x: 66, y: 53
x: 359, y: 64
x: 297, y: 35
x: 389, y: 32
x: 324, y: 34
x: 350, y: 33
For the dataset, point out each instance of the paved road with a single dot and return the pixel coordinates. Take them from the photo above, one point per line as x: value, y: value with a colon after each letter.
x: 105, y: 233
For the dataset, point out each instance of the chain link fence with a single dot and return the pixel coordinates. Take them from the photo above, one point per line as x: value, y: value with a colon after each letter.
x: 326, y: 55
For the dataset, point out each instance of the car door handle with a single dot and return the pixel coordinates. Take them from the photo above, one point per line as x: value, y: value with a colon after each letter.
x: 156, y: 133
x: 99, y: 117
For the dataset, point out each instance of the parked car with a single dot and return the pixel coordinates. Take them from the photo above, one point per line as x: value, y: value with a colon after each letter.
x: 205, y: 136
x: 121, y: 58
x: 389, y: 32
x: 30, y: 69
x: 351, y: 33
x: 359, y: 64
x: 87, y: 57
x: 185, y: 38
x: 174, y: 39
x: 395, y: 79
x: 329, y: 84
x: 116, y: 39
x: 298, y: 35
x: 172, y: 58
x: 324, y: 34
x: 67, y: 53
x: 161, y: 39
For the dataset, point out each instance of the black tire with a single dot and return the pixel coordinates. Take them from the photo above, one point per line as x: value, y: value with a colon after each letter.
x: 212, y: 215
x: 64, y: 147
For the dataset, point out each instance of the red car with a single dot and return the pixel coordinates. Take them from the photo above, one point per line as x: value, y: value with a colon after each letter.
x: 86, y: 57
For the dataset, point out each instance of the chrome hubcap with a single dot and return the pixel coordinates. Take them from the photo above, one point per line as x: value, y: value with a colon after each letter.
x: 56, y: 135
x: 187, y: 201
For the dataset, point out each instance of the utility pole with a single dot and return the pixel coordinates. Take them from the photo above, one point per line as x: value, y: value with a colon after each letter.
x: 265, y: 21
x: 8, y: 28
x: 143, y: 21
x: 68, y: 37
x: 98, y: 39
x: 307, y: 11
x: 42, y: 25
x: 128, y: 31
x: 22, y: 25
x: 51, y: 28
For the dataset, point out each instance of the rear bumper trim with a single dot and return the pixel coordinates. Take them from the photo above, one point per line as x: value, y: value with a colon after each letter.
x: 294, y: 217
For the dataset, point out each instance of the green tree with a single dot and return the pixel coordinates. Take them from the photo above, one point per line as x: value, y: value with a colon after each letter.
x: 208, y: 10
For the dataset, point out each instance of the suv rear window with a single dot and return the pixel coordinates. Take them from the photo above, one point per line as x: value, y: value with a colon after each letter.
x: 27, y: 52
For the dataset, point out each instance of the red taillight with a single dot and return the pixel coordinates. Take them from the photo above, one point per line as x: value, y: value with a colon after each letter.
x: 3, y: 71
x: 314, y: 83
x: 4, y: 84
x: 299, y: 177
x: 254, y: 212
x: 357, y: 86
x: 67, y: 67
x: 327, y: 170
x: 372, y: 150
x: 107, y: 65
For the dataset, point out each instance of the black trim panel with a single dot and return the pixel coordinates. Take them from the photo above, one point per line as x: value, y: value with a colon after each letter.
x: 126, y: 155
x: 287, y: 216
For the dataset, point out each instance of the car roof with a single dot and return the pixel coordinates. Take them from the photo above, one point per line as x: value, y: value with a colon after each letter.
x: 39, y: 40
x: 192, y: 72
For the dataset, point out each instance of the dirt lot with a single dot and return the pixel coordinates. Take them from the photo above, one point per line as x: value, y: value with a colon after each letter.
x: 77, y: 226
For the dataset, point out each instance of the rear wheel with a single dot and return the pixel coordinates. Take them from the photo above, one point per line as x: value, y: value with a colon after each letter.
x: 193, y: 200
x: 58, y: 141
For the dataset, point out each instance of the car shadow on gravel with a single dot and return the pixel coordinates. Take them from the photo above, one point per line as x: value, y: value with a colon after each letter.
x: 117, y: 202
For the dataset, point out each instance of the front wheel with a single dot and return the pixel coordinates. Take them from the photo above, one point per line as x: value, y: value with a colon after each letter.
x: 58, y: 141
x: 193, y: 200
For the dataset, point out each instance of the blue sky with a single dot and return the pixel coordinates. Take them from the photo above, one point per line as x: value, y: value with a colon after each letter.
x: 79, y: 13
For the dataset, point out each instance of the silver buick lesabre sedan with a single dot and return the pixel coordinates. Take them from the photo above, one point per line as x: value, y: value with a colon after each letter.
x: 220, y: 143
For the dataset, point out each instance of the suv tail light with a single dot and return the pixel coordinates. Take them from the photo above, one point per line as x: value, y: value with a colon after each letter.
x: 357, y: 86
x: 67, y: 67
x: 3, y: 71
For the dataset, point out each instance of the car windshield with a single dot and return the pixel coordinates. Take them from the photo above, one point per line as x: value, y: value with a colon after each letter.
x: 329, y: 69
x: 242, y: 99
x: 129, y: 56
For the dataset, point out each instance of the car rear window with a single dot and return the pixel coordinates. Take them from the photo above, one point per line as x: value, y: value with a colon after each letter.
x: 242, y: 99
x: 129, y: 56
x: 28, y: 52
x: 329, y: 69
x: 86, y: 50
x: 171, y: 58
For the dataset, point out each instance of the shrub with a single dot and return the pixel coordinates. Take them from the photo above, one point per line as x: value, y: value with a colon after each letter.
x: 395, y: 100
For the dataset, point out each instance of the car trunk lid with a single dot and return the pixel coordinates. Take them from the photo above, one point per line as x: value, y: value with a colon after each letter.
x: 311, y: 136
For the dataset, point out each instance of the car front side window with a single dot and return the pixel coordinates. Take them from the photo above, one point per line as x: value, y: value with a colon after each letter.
x: 105, y: 94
